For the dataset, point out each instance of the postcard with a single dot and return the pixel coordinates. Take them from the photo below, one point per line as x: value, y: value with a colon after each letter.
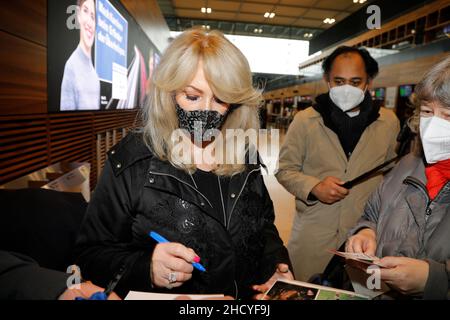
x: 361, y: 257
x: 297, y: 290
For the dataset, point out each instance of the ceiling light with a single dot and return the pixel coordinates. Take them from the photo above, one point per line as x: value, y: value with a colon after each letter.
x: 272, y: 15
x: 329, y: 21
x: 206, y: 10
x: 266, y: 15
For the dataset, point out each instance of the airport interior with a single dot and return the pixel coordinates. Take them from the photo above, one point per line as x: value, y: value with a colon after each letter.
x: 91, y: 88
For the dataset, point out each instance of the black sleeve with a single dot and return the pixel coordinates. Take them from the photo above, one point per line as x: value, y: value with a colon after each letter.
x: 21, y: 278
x: 274, y: 252
x: 105, y: 243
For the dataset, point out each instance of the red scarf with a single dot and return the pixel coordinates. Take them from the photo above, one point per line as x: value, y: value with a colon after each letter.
x: 438, y: 174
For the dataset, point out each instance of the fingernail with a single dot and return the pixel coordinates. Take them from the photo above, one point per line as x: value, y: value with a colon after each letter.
x: 197, y: 259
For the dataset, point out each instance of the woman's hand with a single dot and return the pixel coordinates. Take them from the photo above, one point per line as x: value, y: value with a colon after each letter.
x: 282, y: 272
x: 362, y: 242
x: 171, y: 265
x: 406, y: 275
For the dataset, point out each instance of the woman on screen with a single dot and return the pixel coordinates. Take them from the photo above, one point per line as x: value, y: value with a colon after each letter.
x: 80, y: 89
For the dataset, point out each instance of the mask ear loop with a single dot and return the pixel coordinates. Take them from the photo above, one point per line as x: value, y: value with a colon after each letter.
x: 367, y: 87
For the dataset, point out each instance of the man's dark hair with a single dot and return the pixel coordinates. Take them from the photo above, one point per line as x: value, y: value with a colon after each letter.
x: 370, y: 63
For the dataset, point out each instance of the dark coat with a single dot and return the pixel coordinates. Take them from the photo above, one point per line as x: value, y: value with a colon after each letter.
x: 138, y: 193
x: 21, y: 278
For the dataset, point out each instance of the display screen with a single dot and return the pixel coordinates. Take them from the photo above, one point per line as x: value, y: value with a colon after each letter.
x: 405, y: 90
x: 380, y: 93
x: 99, y: 58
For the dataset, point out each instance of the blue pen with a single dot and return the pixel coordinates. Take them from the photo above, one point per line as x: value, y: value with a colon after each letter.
x: 160, y: 239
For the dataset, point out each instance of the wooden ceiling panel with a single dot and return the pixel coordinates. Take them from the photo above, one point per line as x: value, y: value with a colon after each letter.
x: 281, y: 20
x: 289, y: 14
x: 289, y: 11
x: 250, y: 18
x: 302, y: 3
x: 189, y: 13
x: 339, y: 5
x: 256, y: 8
x: 224, y: 16
x: 320, y: 14
x: 309, y: 23
x: 262, y: 1
x: 197, y: 4
x: 224, y: 5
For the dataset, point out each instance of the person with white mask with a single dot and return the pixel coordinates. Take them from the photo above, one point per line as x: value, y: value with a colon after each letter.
x: 341, y: 137
x: 407, y: 219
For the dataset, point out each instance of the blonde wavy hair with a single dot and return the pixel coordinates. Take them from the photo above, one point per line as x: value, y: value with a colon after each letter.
x: 228, y: 74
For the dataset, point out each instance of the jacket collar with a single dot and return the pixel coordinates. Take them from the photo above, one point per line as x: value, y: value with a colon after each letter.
x: 382, y: 117
x: 163, y: 175
x: 418, y: 200
x: 128, y: 151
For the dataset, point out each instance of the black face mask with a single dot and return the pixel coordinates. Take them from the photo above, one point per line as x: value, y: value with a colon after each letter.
x: 198, y: 122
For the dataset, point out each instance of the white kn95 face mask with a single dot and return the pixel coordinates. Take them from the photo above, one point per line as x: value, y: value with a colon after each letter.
x: 346, y: 97
x: 435, y: 136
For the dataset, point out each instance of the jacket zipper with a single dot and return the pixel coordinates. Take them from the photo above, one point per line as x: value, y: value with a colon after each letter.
x: 418, y: 184
x: 429, y: 211
x: 240, y: 192
x: 415, y: 182
x: 223, y: 205
x: 184, y: 182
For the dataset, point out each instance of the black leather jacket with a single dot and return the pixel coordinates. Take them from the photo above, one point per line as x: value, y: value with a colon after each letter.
x: 138, y: 193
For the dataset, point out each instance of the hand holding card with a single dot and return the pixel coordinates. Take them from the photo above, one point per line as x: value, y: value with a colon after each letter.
x: 363, y: 258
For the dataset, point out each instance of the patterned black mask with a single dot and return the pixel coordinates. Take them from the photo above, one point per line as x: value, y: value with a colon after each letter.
x: 198, y: 122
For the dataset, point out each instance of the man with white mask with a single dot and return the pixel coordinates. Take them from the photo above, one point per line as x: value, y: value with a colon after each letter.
x: 407, y: 219
x: 341, y: 137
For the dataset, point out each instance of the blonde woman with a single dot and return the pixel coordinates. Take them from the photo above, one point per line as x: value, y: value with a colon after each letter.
x: 217, y: 214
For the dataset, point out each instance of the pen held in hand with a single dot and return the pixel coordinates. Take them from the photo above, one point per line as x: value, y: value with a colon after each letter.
x: 160, y: 239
